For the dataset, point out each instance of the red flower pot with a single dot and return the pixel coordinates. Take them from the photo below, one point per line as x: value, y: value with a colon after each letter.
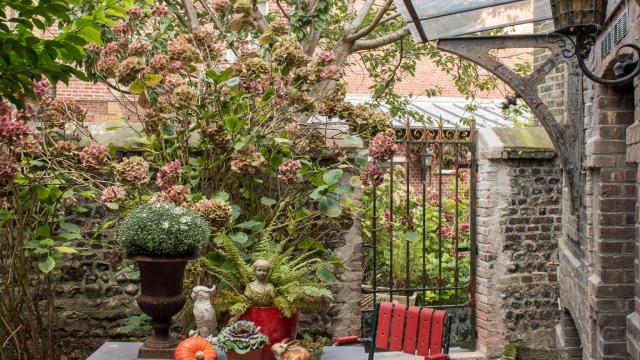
x: 273, y: 324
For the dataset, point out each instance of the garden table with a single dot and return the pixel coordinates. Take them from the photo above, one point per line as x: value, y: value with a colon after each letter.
x: 129, y: 351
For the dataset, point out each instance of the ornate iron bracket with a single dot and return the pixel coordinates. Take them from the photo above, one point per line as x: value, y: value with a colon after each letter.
x: 567, y: 137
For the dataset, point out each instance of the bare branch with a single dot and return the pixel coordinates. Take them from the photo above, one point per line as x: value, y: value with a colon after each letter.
x: 381, y: 41
x: 219, y: 27
x: 367, y: 30
x: 260, y: 21
x: 283, y: 11
x: 362, y: 14
x: 181, y: 18
x: 192, y: 14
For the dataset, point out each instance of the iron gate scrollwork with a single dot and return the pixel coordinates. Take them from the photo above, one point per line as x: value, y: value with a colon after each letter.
x: 419, y: 226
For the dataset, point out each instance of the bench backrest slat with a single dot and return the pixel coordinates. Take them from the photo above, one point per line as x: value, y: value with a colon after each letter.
x: 425, y: 331
x: 411, y: 330
x: 437, y: 330
x: 397, y: 327
x: 384, y: 325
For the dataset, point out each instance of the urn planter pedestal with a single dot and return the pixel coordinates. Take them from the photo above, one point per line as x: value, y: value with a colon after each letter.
x: 251, y: 355
x: 161, y: 298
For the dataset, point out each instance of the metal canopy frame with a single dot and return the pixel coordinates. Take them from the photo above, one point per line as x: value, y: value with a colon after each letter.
x: 567, y: 136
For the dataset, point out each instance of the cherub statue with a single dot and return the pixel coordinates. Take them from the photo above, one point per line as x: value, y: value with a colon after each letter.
x: 203, y: 312
x: 260, y: 292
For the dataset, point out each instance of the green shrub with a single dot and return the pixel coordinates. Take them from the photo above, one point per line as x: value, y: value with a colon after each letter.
x: 160, y: 229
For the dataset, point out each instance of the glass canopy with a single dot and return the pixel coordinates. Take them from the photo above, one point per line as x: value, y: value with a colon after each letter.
x: 437, y: 19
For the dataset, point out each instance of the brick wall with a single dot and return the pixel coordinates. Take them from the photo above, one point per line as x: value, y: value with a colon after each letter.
x: 518, y: 222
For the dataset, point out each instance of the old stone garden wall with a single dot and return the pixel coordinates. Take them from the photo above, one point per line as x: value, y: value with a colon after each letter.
x: 518, y: 217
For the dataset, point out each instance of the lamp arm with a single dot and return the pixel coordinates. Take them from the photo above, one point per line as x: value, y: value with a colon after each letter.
x: 612, y: 82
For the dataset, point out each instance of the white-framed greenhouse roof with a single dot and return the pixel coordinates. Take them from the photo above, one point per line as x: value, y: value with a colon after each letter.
x: 436, y: 19
x: 452, y: 111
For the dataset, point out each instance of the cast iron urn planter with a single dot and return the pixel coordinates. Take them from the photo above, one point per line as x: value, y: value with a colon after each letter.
x: 161, y: 298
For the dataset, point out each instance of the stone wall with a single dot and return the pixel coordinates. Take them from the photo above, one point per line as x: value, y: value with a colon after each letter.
x: 518, y: 218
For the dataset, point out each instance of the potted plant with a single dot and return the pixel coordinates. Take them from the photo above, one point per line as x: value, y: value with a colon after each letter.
x: 242, y: 340
x: 271, y: 286
x: 161, y: 238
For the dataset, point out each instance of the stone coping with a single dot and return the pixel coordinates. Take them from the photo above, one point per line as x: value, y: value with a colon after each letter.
x: 515, y: 143
x: 129, y: 351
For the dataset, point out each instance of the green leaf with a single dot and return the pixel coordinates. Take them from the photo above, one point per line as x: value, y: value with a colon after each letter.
x: 137, y: 87
x: 42, y: 193
x: 74, y: 229
x: 67, y: 194
x: 344, y: 189
x: 251, y: 225
x: 332, y: 176
x: 325, y: 275
x: 268, y: 201
x: 47, y: 264
x: 329, y: 207
x: 113, y: 206
x: 221, y: 195
x: 42, y: 231
x: 361, y: 160
x: 91, y: 34
x: 239, y: 237
x: 66, y: 250
x: 152, y: 79
x: 233, y: 81
x: 138, y: 140
x: 45, y: 243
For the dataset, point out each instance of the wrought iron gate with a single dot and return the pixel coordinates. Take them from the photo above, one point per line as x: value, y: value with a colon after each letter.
x: 419, y: 226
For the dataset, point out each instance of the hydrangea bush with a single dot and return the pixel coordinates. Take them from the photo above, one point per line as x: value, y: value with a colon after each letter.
x: 159, y: 229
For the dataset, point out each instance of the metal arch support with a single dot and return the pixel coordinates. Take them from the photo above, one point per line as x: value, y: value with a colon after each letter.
x: 566, y: 137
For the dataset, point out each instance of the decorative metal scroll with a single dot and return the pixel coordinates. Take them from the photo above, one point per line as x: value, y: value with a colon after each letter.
x: 566, y: 137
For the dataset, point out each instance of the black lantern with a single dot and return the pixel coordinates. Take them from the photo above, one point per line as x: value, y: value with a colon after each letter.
x: 584, y: 19
x: 572, y: 17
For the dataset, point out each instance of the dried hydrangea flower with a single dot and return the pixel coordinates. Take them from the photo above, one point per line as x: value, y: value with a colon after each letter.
x: 159, y: 64
x: 61, y: 111
x: 205, y: 39
x: 94, y: 157
x: 9, y: 168
x: 383, y: 146
x: 168, y: 175
x: 184, y: 96
x: 160, y: 11
x: 116, y: 48
x: 314, y: 141
x: 30, y: 145
x: 220, y: 5
x: 247, y: 161
x: 288, y: 171
x: 217, y: 135
x: 215, y: 211
x: 182, y: 48
x: 326, y: 57
x: 345, y: 220
x: 151, y: 122
x: 69, y: 202
x: 292, y: 130
x: 129, y: 70
x: 12, y: 131
x: 372, y: 175
x: 133, y: 170
x: 172, y: 81
x: 135, y: 13
x: 139, y: 47
x: 63, y: 149
x: 122, y: 29
x: 287, y: 52
x: 107, y: 66
x: 41, y: 87
x: 92, y: 48
x: 176, y: 194
x: 113, y: 195
x: 331, y: 72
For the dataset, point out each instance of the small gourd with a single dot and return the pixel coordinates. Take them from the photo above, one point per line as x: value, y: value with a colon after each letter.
x: 195, y: 348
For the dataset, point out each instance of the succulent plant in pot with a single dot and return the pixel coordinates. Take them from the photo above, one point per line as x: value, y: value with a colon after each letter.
x: 242, y: 340
x: 161, y: 238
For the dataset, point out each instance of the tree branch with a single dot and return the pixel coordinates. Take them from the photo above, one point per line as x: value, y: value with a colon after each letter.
x: 362, y: 14
x: 367, y: 30
x: 181, y: 18
x: 219, y: 27
x: 192, y: 14
x: 381, y: 41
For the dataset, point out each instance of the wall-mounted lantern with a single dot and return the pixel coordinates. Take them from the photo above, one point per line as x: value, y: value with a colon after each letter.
x: 584, y: 19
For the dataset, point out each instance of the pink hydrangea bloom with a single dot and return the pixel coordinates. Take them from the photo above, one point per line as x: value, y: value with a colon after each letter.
x: 94, y: 157
x: 176, y: 194
x: 168, y: 175
x: 113, y: 194
x: 288, y: 171
x: 9, y: 167
x: 93, y: 48
x: 41, y: 87
x: 382, y: 146
x: 372, y: 175
x: 12, y: 131
x: 326, y: 56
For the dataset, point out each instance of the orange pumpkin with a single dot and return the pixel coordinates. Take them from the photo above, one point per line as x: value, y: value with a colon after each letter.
x: 195, y: 348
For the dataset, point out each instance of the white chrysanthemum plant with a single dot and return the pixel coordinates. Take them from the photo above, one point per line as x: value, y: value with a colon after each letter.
x: 160, y: 229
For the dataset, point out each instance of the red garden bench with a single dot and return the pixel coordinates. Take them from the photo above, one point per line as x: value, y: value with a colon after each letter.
x: 412, y: 330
